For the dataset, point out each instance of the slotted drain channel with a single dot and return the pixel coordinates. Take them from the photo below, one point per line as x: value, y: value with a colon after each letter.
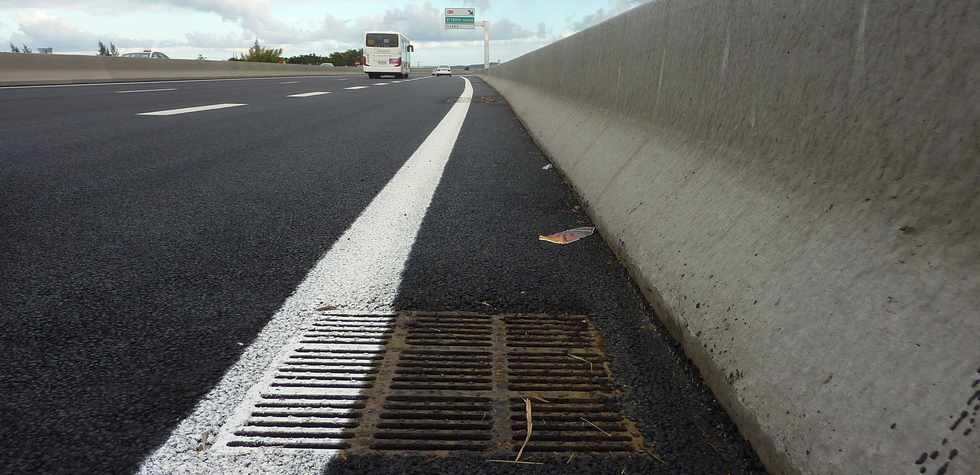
x: 438, y: 383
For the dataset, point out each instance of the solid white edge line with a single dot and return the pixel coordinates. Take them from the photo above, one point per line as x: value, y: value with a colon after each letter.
x: 187, y: 110
x: 136, y: 91
x: 360, y: 272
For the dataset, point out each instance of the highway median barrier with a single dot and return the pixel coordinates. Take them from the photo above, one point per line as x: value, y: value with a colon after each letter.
x: 796, y: 189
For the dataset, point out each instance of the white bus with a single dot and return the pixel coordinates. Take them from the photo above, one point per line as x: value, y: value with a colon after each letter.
x: 387, y: 53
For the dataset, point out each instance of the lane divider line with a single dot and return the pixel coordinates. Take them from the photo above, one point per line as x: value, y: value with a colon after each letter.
x: 137, y: 91
x: 188, y: 110
x: 359, y: 273
x: 289, y: 82
x: 310, y: 94
x: 354, y: 88
x: 380, y: 84
x: 169, y: 81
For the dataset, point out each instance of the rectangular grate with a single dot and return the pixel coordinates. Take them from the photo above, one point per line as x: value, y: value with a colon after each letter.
x: 438, y: 383
x: 315, y: 398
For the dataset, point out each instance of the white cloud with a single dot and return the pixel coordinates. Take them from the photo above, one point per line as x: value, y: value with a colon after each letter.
x: 481, y: 5
x: 252, y: 19
x: 216, y: 41
x: 41, y: 30
x: 602, y: 14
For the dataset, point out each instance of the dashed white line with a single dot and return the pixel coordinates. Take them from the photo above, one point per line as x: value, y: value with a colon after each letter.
x: 380, y: 84
x: 289, y: 82
x: 169, y: 81
x: 360, y: 272
x: 187, y: 110
x: 310, y: 94
x: 354, y: 88
x: 136, y: 91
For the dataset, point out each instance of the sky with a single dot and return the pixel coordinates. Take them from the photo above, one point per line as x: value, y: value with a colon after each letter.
x: 217, y: 29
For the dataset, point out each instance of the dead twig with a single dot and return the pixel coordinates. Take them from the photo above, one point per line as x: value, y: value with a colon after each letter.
x: 515, y: 461
x: 570, y: 457
x: 654, y: 455
x: 539, y: 398
x: 581, y: 359
x: 596, y: 427
x: 530, y: 427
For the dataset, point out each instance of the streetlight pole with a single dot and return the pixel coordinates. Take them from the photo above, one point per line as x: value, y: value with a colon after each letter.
x: 486, y: 43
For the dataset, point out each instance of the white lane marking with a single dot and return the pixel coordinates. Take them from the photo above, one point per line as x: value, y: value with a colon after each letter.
x: 361, y: 272
x: 171, y: 81
x: 310, y: 94
x: 187, y: 110
x: 380, y: 84
x: 289, y: 82
x: 354, y: 88
x: 136, y: 91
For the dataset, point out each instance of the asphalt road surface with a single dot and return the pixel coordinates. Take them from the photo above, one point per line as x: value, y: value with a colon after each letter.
x: 152, y: 231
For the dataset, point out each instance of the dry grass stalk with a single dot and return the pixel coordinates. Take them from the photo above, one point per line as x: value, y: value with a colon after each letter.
x: 582, y: 359
x: 530, y: 427
x: 596, y: 427
x: 515, y: 461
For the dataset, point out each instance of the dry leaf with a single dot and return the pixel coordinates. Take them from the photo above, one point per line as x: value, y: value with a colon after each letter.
x: 569, y: 236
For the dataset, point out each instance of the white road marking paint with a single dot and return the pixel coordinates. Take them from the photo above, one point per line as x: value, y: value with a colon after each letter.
x: 310, y: 94
x: 188, y: 110
x: 380, y: 84
x: 136, y: 91
x: 289, y: 82
x: 354, y: 88
x: 171, y: 81
x: 361, y: 272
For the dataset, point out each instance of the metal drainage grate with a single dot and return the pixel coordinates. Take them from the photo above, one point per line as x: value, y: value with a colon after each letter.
x: 439, y: 383
x: 315, y: 397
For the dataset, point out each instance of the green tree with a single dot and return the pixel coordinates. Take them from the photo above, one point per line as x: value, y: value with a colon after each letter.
x: 311, y: 58
x: 346, y: 58
x: 14, y: 49
x: 112, y: 50
x: 26, y: 49
x: 103, y: 51
x: 259, y: 54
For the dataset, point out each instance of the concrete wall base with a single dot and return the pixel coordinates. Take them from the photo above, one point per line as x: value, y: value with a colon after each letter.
x: 796, y: 187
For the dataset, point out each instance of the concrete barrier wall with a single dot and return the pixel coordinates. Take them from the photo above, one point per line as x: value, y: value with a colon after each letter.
x: 25, y: 69
x: 796, y: 187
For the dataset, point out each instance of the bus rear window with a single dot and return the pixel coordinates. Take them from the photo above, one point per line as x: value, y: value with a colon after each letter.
x: 382, y: 40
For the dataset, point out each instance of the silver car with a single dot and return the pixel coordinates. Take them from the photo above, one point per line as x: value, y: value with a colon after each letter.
x: 442, y: 71
x: 146, y: 54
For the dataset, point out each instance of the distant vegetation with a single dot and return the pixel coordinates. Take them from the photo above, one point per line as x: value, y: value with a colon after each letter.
x: 340, y: 58
x: 21, y: 49
x: 108, y: 50
x: 260, y: 54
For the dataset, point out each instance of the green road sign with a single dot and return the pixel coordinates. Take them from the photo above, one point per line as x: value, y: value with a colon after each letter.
x: 460, y: 20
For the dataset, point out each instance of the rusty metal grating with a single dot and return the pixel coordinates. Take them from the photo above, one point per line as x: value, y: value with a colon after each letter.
x: 439, y: 383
